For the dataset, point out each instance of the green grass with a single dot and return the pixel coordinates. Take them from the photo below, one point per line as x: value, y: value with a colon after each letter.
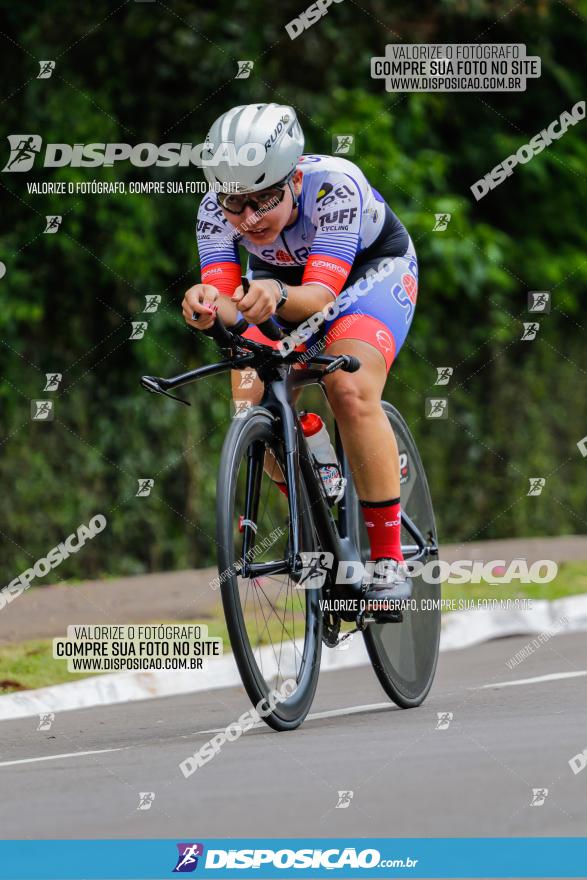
x: 26, y: 665
x: 570, y: 580
x: 30, y: 664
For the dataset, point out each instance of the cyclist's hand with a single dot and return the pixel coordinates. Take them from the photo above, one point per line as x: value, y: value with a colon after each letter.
x: 259, y: 303
x: 200, y: 299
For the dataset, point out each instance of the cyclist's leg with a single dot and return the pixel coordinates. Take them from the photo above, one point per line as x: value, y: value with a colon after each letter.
x: 366, y: 434
x: 373, y: 327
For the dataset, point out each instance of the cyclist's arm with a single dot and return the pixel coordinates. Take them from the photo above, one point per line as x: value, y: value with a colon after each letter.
x: 304, y: 301
x: 217, y: 249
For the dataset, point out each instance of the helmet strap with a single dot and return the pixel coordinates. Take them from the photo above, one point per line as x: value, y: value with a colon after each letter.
x: 293, y: 194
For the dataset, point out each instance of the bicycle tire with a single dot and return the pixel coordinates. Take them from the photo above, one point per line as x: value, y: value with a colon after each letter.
x: 259, y: 425
x: 404, y: 655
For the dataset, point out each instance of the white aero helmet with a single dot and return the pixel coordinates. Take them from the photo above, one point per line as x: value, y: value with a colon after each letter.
x: 274, y: 127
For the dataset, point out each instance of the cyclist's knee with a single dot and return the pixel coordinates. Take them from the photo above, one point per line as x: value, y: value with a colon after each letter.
x: 349, y: 398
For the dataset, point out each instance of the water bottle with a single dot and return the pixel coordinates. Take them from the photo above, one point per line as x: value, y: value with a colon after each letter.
x: 324, y: 456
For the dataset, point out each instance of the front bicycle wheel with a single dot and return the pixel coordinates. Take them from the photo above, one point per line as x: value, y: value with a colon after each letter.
x: 404, y: 655
x: 274, y: 624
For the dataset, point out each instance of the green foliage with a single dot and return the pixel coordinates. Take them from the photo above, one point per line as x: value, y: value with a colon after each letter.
x: 162, y: 72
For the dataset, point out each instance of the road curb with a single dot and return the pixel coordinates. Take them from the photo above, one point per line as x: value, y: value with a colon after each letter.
x: 460, y: 629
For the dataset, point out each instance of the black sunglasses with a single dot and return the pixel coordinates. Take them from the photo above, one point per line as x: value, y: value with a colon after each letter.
x: 263, y: 201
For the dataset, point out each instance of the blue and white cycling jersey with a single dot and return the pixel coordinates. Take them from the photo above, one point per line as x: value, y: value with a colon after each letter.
x: 340, y: 216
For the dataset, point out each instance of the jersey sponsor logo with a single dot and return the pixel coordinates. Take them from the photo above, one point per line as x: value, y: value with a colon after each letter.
x: 309, y: 158
x: 342, y: 216
x: 385, y: 341
x: 205, y: 226
x: 210, y: 206
x: 401, y: 297
x: 410, y: 286
x: 323, y: 191
x: 276, y: 131
x: 280, y: 256
x: 341, y: 193
x: 404, y: 470
x: 332, y: 267
x: 283, y: 257
x: 301, y: 254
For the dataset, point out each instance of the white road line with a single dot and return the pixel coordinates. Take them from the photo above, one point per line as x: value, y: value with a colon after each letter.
x: 555, y: 676
x: 54, y: 757
x: 331, y: 713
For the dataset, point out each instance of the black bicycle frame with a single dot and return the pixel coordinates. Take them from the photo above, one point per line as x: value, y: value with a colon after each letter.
x: 338, y: 538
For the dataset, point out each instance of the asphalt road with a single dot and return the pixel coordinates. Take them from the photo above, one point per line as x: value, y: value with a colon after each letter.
x: 475, y: 778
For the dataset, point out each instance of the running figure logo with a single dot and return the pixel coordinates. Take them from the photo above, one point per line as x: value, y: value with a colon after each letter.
x: 343, y: 145
x: 539, y: 301
x: 23, y: 149
x: 53, y: 222
x: 443, y: 375
x: 441, y: 222
x: 42, y: 410
x: 531, y: 328
x: 314, y: 570
x: 436, y: 408
x: 188, y: 857
x: 244, y: 69
x: 344, y: 800
x: 46, y: 68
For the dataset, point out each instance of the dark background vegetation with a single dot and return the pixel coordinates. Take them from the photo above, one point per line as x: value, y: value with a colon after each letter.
x: 162, y: 72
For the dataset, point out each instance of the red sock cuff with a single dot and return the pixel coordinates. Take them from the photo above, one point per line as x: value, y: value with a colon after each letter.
x: 383, y: 523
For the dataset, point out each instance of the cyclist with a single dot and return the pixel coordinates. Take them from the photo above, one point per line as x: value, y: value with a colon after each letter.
x: 320, y: 239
